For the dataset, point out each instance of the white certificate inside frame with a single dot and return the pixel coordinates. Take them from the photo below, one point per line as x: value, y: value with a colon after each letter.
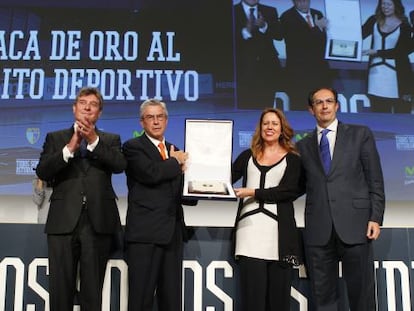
x: 209, y: 144
x: 344, y: 33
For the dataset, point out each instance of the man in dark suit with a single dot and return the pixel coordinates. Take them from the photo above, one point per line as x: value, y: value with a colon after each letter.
x: 155, y: 227
x: 344, y: 205
x: 412, y: 31
x: 304, y: 32
x: 83, y: 215
x: 258, y: 70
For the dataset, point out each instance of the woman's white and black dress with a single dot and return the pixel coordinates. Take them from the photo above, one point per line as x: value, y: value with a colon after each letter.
x: 390, y: 77
x: 267, y: 242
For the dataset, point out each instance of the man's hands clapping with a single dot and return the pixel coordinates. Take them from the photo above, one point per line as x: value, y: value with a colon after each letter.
x: 84, y: 129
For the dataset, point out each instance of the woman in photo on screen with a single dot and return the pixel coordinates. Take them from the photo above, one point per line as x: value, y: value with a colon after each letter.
x: 390, y: 78
x: 267, y: 243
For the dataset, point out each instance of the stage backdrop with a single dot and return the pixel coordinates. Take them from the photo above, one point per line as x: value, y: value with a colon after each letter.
x: 183, y: 52
x: 210, y: 280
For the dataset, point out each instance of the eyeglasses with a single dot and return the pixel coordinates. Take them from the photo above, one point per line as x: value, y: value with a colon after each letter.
x: 92, y: 104
x: 152, y: 117
x: 319, y: 102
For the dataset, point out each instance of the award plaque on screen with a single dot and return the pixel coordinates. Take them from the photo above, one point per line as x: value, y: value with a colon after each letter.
x: 346, y: 49
x: 209, y: 144
x: 344, y: 34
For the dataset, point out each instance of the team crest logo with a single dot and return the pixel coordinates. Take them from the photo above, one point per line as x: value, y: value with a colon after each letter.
x: 32, y: 134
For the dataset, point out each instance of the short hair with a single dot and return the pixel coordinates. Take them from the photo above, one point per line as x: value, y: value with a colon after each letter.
x: 152, y: 102
x: 312, y: 94
x: 85, y: 91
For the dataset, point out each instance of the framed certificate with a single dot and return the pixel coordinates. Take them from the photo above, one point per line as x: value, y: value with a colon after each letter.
x: 343, y: 48
x: 209, y: 144
x: 344, y: 31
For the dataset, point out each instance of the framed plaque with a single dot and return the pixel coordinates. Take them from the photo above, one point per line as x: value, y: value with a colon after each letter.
x: 209, y: 144
x: 343, y: 48
x: 344, y: 34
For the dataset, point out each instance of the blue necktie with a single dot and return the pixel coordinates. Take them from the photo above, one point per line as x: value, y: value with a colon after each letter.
x: 324, y: 150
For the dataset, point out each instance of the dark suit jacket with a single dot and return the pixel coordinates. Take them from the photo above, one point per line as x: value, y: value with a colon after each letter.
x: 351, y: 194
x: 305, y: 46
x: 78, y: 178
x: 412, y: 30
x: 257, y: 57
x: 154, y: 193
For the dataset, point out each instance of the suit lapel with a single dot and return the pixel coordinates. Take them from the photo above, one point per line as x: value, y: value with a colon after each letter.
x: 168, y: 147
x: 239, y: 13
x: 151, y: 148
x: 339, y: 146
x: 67, y: 135
x: 300, y: 19
x: 314, y: 149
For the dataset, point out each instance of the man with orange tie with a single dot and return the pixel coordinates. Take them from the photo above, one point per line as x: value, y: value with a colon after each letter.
x: 304, y: 32
x: 155, y: 228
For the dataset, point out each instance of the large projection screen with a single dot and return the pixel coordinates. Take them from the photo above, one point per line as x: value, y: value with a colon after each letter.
x: 181, y: 51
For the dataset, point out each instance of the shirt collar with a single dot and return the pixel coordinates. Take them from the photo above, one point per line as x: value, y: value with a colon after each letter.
x: 247, y: 7
x: 304, y: 14
x: 155, y: 141
x: 333, y: 127
x: 76, y: 127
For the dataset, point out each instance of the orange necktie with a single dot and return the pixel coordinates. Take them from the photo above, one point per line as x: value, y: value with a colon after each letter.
x: 162, y: 151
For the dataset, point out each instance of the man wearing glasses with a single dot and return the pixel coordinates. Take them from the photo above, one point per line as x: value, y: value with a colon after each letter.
x: 344, y: 208
x: 83, y: 215
x: 155, y: 227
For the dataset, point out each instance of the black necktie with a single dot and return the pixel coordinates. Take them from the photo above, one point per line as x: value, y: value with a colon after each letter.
x: 82, y: 148
x: 251, y: 16
x: 324, y: 150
